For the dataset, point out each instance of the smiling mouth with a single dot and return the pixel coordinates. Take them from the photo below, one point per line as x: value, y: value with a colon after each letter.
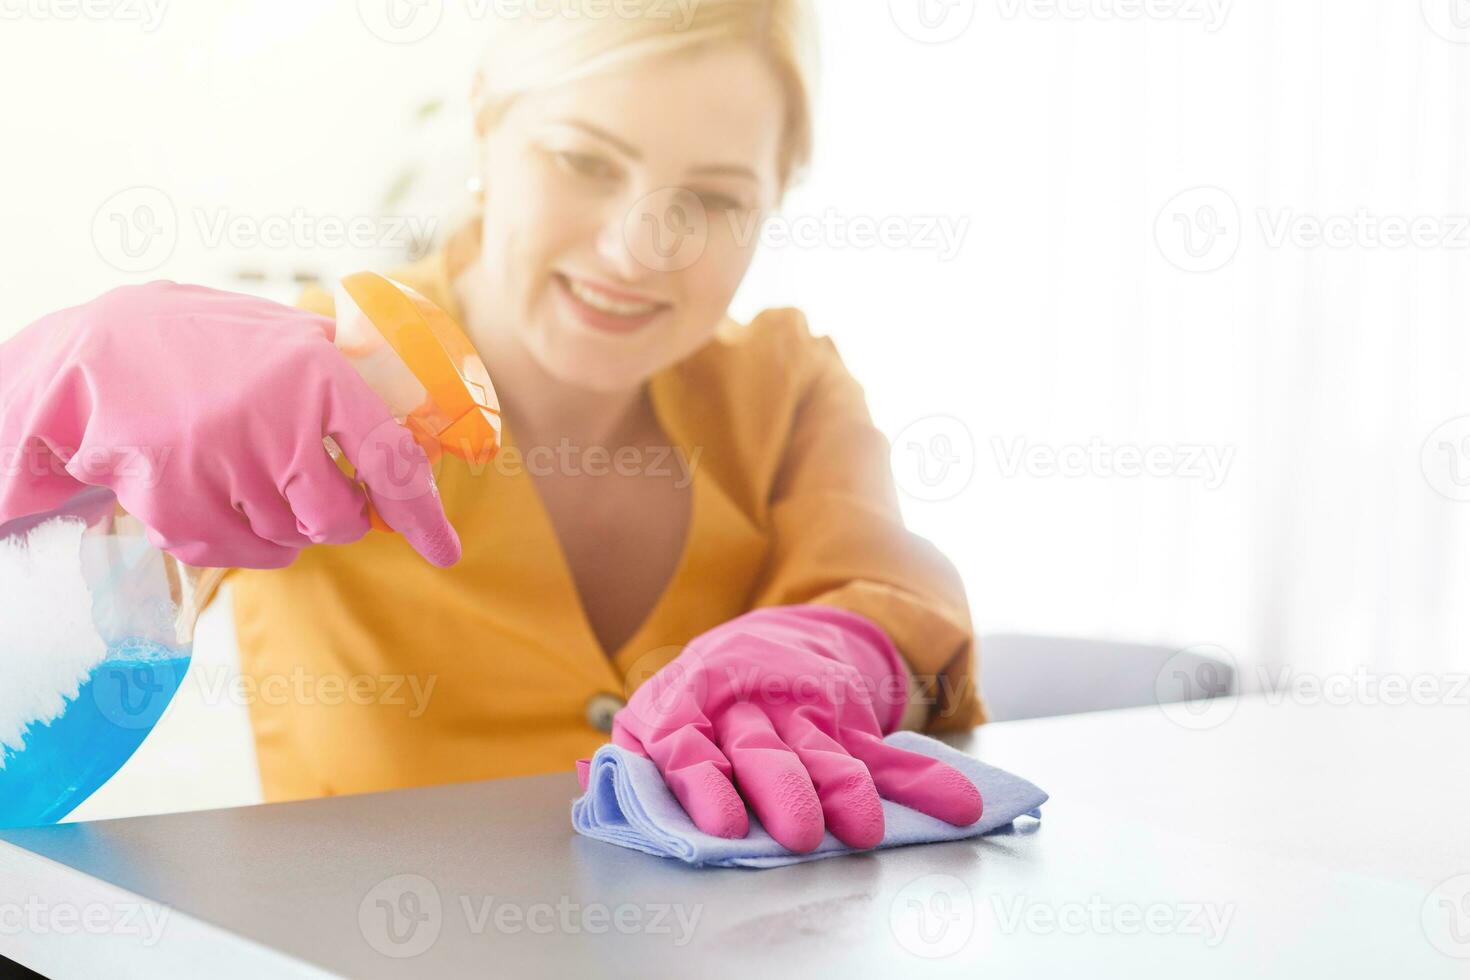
x: 604, y: 310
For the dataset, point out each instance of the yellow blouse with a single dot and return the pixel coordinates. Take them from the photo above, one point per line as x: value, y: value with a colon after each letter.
x: 369, y: 669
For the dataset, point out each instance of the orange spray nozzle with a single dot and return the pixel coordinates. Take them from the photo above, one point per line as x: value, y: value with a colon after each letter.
x: 421, y: 363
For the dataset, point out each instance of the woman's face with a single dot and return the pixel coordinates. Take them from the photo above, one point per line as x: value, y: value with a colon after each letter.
x: 622, y: 212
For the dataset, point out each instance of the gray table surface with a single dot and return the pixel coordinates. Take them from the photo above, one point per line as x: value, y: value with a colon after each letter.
x: 1262, y: 839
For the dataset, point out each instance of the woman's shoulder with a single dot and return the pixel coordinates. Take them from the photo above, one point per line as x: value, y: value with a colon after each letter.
x: 775, y: 328
x: 743, y: 397
x: 777, y: 346
x: 754, y: 379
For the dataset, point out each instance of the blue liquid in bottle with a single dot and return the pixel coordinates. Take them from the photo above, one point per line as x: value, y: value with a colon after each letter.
x: 62, y: 762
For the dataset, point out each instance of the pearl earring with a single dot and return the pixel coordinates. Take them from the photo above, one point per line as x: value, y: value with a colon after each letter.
x: 475, y: 186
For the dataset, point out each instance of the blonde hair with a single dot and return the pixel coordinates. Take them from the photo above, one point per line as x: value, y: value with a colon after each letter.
x: 584, y: 38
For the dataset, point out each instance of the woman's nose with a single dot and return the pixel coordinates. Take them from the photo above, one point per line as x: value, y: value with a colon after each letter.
x: 663, y: 231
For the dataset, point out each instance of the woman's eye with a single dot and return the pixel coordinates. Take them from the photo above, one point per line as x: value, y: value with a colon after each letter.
x: 586, y: 165
x: 721, y: 202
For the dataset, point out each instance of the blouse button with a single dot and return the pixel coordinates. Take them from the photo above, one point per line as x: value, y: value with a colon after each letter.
x: 600, y: 710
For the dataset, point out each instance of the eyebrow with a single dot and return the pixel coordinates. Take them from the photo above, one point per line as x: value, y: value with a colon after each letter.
x: 630, y: 151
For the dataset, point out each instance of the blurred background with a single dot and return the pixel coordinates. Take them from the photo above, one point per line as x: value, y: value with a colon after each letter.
x: 1163, y: 305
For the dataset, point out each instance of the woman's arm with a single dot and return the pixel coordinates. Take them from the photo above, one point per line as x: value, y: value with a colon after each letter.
x: 860, y: 628
x: 840, y: 541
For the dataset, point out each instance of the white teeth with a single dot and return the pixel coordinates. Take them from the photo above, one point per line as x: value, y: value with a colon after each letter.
x: 606, y: 304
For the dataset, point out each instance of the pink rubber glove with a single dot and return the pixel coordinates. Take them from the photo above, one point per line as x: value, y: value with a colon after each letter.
x: 203, y: 412
x: 792, y: 703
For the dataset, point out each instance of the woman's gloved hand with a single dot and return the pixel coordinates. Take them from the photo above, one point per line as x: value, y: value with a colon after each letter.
x: 790, y: 704
x: 203, y: 411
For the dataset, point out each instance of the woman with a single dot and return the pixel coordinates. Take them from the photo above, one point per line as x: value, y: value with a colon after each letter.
x: 749, y: 527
